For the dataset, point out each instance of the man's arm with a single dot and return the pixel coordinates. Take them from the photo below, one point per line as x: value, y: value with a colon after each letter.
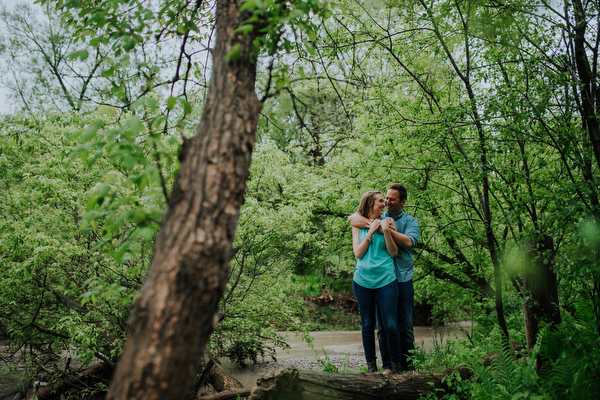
x: 402, y: 240
x: 358, y: 221
x: 390, y: 244
x: 410, y: 237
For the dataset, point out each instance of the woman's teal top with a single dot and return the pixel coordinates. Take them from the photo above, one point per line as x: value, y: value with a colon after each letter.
x: 376, y: 268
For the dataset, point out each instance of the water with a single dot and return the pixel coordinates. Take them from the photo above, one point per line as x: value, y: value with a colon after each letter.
x: 9, y: 382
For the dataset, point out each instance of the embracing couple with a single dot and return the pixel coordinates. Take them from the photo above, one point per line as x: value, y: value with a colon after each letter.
x: 383, y: 236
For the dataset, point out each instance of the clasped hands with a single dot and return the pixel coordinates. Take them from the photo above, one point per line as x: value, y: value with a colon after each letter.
x: 379, y: 225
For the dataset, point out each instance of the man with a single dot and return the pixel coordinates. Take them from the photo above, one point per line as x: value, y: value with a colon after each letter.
x: 406, y: 236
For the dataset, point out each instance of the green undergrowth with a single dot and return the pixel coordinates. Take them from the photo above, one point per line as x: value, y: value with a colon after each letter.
x: 569, y: 369
x: 319, y: 315
x: 554, y: 369
x: 330, y: 318
x: 311, y: 285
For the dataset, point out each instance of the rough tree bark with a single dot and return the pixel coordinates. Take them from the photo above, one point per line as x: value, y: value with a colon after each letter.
x: 540, y: 287
x: 292, y: 384
x: 177, y: 307
x: 588, y: 83
x: 221, y: 381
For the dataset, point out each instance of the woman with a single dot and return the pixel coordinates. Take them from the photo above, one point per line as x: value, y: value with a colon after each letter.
x: 374, y: 281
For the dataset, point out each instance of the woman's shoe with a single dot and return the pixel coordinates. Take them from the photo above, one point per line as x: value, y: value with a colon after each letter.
x: 372, y: 367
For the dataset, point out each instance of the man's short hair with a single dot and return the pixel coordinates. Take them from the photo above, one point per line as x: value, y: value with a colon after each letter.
x: 400, y: 188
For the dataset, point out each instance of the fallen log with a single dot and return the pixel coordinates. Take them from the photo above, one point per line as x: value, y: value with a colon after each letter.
x: 347, y: 302
x: 220, y: 380
x: 292, y: 384
x: 10, y: 394
x: 230, y: 394
x: 202, y: 377
x: 213, y: 374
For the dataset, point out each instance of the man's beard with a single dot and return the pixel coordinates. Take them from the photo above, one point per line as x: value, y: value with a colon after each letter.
x: 395, y: 211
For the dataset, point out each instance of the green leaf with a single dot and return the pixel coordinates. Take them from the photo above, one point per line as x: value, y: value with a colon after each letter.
x: 98, y: 16
x: 281, y: 82
x: 81, y: 54
x: 171, y: 102
x: 152, y: 104
x: 296, y: 13
x: 181, y: 29
x: 133, y: 272
x: 245, y: 29
x: 301, y: 72
x: 108, y: 72
x: 136, y: 104
x: 91, y: 131
x: 145, y: 233
x: 130, y: 44
x: 187, y: 107
x: 249, y: 4
x: 235, y: 53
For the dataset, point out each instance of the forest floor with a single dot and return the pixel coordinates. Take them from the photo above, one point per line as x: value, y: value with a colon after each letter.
x: 334, y: 322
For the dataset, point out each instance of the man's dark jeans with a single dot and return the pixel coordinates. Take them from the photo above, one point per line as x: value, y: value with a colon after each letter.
x: 406, y: 311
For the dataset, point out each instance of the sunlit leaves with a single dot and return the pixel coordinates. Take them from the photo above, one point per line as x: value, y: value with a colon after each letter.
x: 47, y: 255
x: 269, y: 20
x: 81, y: 54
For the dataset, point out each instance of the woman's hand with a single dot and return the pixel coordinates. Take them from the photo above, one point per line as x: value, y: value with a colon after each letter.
x: 374, y: 226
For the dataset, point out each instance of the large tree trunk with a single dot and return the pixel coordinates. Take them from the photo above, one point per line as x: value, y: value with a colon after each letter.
x: 540, y: 288
x: 177, y: 307
x: 588, y: 84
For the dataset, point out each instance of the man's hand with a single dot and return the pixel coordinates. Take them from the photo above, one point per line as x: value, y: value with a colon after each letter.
x: 392, y: 224
x: 385, y: 224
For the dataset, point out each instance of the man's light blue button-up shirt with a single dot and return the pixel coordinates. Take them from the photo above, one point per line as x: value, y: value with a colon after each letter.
x: 404, y: 259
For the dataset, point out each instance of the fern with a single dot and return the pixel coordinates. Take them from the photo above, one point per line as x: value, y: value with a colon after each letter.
x: 510, y: 376
x: 567, y: 357
x: 572, y: 367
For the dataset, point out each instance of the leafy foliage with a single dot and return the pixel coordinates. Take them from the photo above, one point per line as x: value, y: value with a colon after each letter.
x: 62, y: 284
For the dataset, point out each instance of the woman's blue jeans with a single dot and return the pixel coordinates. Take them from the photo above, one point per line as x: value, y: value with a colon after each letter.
x: 386, y: 300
